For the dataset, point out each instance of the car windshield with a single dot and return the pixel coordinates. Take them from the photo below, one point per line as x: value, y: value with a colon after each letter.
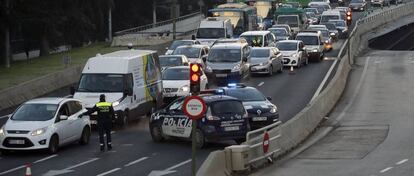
x: 35, y: 112
x: 176, y: 74
x: 170, y: 61
x: 308, y: 40
x: 287, y: 46
x: 102, y: 83
x: 278, y: 32
x: 339, y: 23
x: 246, y: 94
x: 326, y: 18
x: 281, y: 26
x: 178, y: 43
x: 251, y: 38
x: 210, y: 33
x: 325, y: 33
x: 259, y: 53
x: 292, y: 21
x: 330, y: 26
x: 227, y: 107
x: 356, y: 1
x: 224, y: 55
x: 190, y: 52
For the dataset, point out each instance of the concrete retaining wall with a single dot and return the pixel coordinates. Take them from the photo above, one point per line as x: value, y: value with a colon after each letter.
x: 301, y: 126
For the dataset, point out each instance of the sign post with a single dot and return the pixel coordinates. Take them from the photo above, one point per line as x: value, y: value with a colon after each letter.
x: 195, y: 108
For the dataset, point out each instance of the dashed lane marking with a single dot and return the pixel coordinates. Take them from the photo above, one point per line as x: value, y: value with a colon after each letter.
x: 401, y: 162
x: 260, y: 84
x: 46, y: 158
x: 81, y: 164
x: 386, y: 169
x: 136, y: 161
x: 109, y: 172
x: 178, y: 165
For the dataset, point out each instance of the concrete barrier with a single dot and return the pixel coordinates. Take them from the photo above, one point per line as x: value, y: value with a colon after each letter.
x: 297, y: 129
x: 18, y: 94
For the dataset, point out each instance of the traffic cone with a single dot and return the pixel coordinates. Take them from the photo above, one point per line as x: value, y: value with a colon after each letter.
x: 28, y: 170
x: 291, y: 71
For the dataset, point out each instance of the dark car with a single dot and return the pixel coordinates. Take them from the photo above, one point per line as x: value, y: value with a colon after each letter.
x: 225, y: 119
x: 357, y: 5
x: 261, y: 112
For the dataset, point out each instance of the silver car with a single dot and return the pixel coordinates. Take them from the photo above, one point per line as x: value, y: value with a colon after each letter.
x: 265, y: 60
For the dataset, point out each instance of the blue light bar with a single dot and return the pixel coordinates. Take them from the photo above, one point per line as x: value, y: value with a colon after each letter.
x: 231, y: 85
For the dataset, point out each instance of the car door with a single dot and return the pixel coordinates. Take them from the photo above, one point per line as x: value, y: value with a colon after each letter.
x: 75, y: 123
x: 175, y: 123
x: 62, y: 127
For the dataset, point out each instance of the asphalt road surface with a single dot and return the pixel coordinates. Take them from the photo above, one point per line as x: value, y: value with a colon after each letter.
x: 136, y: 154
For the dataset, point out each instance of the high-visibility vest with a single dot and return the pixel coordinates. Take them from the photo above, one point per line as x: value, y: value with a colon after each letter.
x: 103, y: 106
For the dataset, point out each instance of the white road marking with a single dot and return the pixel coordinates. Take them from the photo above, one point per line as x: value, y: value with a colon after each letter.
x: 318, y: 91
x: 260, y: 84
x: 356, y: 91
x: 245, y: 76
x: 178, y: 165
x: 44, y: 159
x: 401, y: 162
x: 12, y: 170
x: 108, y: 172
x: 386, y: 169
x: 127, y: 145
x: 136, y: 161
x: 81, y: 164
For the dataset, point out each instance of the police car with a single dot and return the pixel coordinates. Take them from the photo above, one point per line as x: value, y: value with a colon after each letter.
x: 261, y: 112
x: 225, y: 119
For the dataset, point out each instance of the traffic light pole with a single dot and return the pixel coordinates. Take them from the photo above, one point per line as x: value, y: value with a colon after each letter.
x: 194, y: 147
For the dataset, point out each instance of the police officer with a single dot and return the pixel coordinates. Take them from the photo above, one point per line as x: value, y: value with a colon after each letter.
x: 105, y: 114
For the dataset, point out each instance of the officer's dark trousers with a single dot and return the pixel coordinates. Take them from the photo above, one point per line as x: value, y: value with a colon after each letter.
x: 105, y: 126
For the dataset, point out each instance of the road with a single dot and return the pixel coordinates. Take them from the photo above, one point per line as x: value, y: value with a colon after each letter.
x: 136, y: 154
x: 375, y: 132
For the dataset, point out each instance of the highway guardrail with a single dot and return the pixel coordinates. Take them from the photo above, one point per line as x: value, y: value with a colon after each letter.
x: 296, y: 130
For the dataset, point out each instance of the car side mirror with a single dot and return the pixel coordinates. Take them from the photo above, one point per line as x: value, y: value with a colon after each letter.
x: 72, y: 90
x: 185, y: 63
x: 244, y: 59
x: 193, y: 37
x: 269, y: 98
x: 128, y: 92
x: 204, y: 58
x: 63, y: 117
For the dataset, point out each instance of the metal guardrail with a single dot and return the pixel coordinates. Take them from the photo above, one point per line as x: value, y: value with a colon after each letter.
x: 255, y: 140
x: 149, y: 26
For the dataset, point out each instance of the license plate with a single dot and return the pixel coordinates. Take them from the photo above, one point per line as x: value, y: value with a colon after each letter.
x: 221, y: 75
x: 168, y: 95
x: 94, y: 122
x: 259, y: 118
x: 16, y: 141
x: 233, y: 128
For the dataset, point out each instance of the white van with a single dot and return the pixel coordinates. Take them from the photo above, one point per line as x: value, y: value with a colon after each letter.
x: 130, y: 79
x: 330, y: 15
x: 213, y: 28
x: 265, y: 38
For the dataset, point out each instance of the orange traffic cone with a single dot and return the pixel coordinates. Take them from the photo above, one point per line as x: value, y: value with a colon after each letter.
x: 291, y: 71
x: 28, y: 170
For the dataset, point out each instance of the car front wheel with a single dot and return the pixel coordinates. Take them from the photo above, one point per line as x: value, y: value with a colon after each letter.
x: 86, y: 134
x: 200, y: 139
x: 53, y: 144
x: 156, y: 133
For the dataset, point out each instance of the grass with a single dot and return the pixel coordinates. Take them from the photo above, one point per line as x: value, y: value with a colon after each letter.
x: 23, y: 71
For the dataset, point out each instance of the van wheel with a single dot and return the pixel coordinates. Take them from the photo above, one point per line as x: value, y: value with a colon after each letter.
x: 86, y: 134
x: 123, y: 123
x: 53, y: 144
x: 200, y: 139
x: 156, y: 133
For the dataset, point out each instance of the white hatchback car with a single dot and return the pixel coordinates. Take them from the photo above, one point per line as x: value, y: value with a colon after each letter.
x: 45, y: 123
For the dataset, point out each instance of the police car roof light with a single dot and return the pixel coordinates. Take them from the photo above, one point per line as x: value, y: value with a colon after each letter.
x: 236, y: 85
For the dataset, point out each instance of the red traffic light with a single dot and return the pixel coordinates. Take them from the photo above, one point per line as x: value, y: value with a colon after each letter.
x: 195, y: 73
x: 349, y: 13
x: 349, y: 18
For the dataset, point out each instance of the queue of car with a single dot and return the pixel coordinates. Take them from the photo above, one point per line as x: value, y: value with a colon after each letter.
x: 140, y: 82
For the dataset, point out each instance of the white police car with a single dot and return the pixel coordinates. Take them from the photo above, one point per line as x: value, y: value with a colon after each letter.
x: 225, y: 119
x: 45, y: 123
x: 261, y: 112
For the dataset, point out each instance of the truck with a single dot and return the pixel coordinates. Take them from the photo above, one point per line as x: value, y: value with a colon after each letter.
x: 213, y: 28
x: 130, y: 80
x: 294, y: 17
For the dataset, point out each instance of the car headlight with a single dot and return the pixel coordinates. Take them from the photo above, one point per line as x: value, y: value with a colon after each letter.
x: 263, y: 63
x: 184, y: 89
x: 273, y: 110
x: 295, y: 55
x: 38, y: 131
x: 236, y: 68
x: 315, y: 50
x: 115, y: 103
x: 2, y: 131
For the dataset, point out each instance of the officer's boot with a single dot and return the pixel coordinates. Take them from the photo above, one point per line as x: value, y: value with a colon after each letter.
x: 102, y: 147
x: 109, y: 146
